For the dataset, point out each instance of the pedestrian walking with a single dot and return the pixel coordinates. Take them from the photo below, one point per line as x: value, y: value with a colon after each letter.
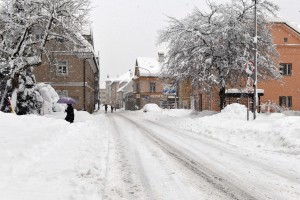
x: 111, y: 108
x: 105, y: 106
x: 70, y: 113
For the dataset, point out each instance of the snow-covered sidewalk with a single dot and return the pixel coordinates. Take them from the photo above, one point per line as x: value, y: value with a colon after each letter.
x: 45, y: 157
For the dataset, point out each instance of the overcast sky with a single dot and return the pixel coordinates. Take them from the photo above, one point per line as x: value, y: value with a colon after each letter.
x: 126, y: 29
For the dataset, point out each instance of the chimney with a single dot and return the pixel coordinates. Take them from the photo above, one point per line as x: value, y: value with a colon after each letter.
x: 161, y: 56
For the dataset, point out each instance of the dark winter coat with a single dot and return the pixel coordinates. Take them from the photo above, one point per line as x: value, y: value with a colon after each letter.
x: 70, y: 113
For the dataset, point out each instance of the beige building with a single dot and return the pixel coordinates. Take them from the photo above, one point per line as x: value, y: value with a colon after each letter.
x: 72, y: 73
x: 149, y: 87
x: 102, y: 95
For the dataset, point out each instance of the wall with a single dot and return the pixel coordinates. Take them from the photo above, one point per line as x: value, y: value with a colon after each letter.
x: 289, y: 53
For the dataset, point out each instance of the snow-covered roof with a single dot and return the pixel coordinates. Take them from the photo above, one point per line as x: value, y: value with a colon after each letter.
x: 148, y: 66
x: 87, y: 47
x: 102, y: 85
x: 126, y: 88
x: 279, y: 19
x: 123, y: 78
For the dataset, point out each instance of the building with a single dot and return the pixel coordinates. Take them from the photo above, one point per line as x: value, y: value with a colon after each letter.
x: 102, y: 94
x: 125, y: 96
x: 273, y: 95
x: 147, y: 86
x: 285, y: 93
x: 112, y: 88
x: 150, y: 87
x: 72, y: 73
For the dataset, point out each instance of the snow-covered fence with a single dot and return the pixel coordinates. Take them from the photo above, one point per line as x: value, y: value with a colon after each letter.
x: 271, y: 107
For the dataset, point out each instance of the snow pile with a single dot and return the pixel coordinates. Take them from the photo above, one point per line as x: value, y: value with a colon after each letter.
x: 151, y: 107
x: 45, y: 157
x: 272, y: 132
x: 50, y: 97
x: 235, y: 108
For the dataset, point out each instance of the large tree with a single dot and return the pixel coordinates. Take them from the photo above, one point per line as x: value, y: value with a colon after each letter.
x: 27, y: 28
x: 210, y: 48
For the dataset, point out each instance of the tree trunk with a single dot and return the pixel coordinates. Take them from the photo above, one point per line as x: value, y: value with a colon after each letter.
x: 222, y: 97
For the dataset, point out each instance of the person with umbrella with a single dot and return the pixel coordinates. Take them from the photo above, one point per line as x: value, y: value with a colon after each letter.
x: 70, y: 110
x: 70, y: 113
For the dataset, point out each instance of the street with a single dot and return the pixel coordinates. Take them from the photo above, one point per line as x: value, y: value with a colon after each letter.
x: 154, y: 161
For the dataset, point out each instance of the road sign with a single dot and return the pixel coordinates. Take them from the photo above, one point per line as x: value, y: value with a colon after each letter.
x: 249, y: 67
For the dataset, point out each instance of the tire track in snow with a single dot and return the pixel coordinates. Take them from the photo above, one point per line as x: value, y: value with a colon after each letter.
x: 118, y: 164
x: 227, y: 188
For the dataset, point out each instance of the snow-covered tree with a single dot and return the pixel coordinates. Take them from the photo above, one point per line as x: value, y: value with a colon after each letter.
x: 28, y: 29
x: 211, y: 48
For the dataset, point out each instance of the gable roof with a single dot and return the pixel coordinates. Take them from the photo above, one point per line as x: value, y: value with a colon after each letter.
x: 147, y: 66
x: 126, y: 77
x: 295, y: 27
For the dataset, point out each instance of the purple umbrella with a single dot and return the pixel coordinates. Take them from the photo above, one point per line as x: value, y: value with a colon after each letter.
x: 66, y: 100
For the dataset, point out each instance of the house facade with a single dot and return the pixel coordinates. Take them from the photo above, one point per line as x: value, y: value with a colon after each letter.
x: 149, y: 87
x: 102, y: 95
x: 73, y: 74
x: 113, y: 86
x: 285, y: 93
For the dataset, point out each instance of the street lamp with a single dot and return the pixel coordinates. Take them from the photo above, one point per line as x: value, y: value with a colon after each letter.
x: 255, y: 61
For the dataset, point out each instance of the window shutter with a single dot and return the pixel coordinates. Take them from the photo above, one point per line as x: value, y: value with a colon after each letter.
x: 290, y: 101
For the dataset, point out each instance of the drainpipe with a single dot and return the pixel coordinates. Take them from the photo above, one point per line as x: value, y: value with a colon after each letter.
x: 84, y: 79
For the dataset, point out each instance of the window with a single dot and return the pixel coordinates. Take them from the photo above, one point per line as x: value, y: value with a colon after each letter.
x: 38, y: 36
x: 285, y: 39
x: 285, y: 68
x: 152, y: 87
x: 62, y: 93
x: 285, y: 101
x: 137, y: 87
x: 62, y: 68
x: 60, y: 39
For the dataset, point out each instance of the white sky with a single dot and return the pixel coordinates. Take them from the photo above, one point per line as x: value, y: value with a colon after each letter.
x: 127, y: 29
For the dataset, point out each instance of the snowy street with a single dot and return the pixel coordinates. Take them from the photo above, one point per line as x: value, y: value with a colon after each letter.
x: 169, y: 154
x: 179, y: 165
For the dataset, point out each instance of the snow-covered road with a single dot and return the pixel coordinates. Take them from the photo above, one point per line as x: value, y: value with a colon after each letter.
x: 161, y: 155
x: 148, y: 168
x: 155, y: 161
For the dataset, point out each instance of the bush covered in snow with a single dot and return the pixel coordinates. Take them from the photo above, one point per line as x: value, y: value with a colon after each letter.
x: 49, y: 99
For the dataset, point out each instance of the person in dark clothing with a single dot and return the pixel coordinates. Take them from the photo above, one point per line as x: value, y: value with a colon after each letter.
x: 112, y: 108
x: 105, y: 106
x: 70, y: 113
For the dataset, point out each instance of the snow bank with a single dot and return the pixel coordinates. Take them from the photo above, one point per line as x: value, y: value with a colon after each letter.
x: 272, y: 132
x: 45, y: 157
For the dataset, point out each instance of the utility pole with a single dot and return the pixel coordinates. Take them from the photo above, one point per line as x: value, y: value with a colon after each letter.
x: 255, y: 97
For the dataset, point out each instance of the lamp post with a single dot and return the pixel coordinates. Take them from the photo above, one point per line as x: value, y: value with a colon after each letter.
x: 255, y: 61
